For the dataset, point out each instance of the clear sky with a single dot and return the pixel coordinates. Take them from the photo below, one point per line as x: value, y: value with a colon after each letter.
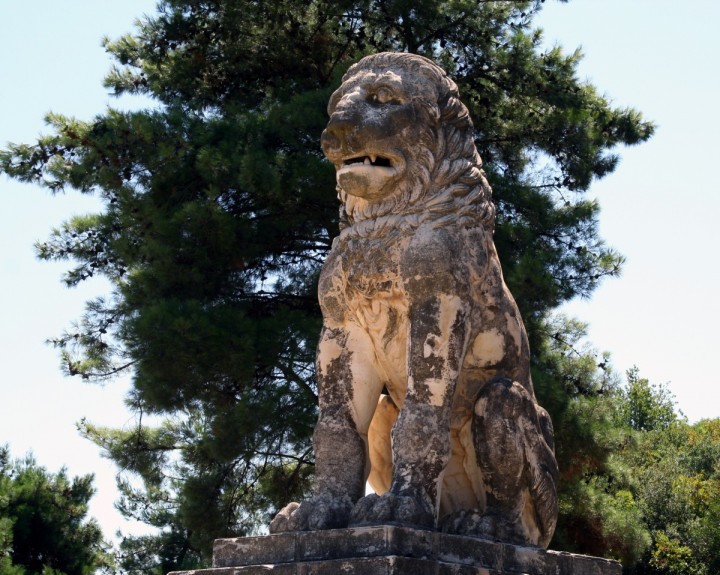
x: 660, y: 209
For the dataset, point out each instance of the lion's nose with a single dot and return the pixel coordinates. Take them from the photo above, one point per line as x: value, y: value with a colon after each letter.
x: 341, y: 123
x: 329, y: 141
x: 339, y: 131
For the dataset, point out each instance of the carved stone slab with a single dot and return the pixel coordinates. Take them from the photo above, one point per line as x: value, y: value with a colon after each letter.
x: 390, y: 550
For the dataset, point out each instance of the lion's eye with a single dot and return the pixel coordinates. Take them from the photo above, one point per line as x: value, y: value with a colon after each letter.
x: 382, y: 95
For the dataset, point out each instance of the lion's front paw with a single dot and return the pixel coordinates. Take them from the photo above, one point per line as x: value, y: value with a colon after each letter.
x: 281, y: 522
x: 318, y: 513
x: 389, y: 508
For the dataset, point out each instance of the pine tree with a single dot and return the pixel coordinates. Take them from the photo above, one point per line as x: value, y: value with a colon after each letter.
x: 219, y: 209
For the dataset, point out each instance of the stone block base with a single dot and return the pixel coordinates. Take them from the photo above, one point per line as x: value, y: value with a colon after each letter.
x: 389, y: 550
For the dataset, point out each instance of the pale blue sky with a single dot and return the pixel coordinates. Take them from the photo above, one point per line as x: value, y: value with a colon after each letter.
x: 660, y: 208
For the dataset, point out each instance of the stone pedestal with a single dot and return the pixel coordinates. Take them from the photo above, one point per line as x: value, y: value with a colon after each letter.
x: 389, y: 550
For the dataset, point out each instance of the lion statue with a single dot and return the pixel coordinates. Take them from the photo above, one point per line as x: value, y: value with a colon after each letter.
x: 423, y: 361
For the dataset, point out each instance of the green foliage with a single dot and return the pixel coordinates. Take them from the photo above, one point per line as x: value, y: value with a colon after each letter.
x: 647, y: 407
x: 675, y: 474
x: 219, y: 209
x: 43, y: 525
x: 671, y: 558
x: 638, y: 483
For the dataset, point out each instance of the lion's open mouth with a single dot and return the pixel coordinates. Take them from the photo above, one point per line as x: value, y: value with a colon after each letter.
x: 371, y: 160
x: 367, y: 176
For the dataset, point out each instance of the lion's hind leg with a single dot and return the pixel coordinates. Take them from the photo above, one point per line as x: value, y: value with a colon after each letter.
x: 518, y: 463
x: 513, y: 443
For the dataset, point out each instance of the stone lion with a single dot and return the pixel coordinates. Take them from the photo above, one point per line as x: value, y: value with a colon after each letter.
x: 423, y: 362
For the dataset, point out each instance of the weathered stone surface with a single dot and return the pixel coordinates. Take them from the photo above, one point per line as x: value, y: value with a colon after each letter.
x: 391, y: 550
x: 414, y: 304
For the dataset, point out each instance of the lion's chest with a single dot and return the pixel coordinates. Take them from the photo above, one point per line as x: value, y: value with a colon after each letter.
x: 358, y: 270
x: 362, y: 283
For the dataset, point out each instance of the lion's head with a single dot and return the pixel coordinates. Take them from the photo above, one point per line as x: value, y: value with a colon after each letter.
x: 402, y: 143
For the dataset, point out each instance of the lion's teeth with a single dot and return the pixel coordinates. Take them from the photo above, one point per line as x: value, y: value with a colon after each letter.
x: 366, y: 161
x: 373, y: 158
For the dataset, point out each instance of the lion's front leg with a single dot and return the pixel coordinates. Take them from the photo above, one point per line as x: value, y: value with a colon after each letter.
x: 349, y: 388
x: 421, y: 434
